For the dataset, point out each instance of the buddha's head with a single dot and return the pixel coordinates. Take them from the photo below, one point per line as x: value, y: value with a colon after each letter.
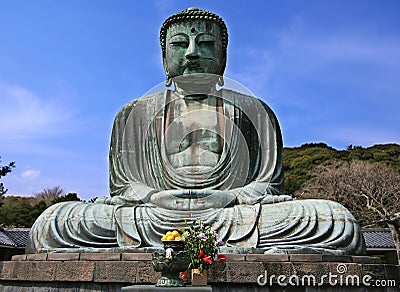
x: 193, y: 41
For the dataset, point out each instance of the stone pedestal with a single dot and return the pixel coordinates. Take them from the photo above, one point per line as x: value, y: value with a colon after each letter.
x: 86, y: 272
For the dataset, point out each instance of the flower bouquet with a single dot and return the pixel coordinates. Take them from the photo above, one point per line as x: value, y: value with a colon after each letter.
x: 202, y: 245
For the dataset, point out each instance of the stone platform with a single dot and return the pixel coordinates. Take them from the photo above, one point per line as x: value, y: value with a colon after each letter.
x: 86, y: 272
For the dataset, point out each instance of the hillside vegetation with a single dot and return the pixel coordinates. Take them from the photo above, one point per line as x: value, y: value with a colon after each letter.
x: 299, y: 162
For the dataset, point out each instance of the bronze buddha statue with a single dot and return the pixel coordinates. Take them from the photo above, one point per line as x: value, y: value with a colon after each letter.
x: 197, y: 151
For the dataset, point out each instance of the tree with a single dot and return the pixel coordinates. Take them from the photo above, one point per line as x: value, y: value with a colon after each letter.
x: 66, y: 198
x: 48, y: 195
x: 298, y: 163
x: 23, y: 211
x: 3, y: 171
x: 371, y: 191
x: 92, y: 200
x: 20, y: 211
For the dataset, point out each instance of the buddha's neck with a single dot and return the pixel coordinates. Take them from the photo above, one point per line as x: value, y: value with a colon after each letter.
x: 194, y: 91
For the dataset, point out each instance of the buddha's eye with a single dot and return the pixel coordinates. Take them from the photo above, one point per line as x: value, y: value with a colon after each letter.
x: 178, y: 41
x: 179, y: 44
x: 206, y: 43
x: 205, y: 40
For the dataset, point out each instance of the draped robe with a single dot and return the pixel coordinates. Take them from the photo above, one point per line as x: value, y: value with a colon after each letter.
x: 260, y: 217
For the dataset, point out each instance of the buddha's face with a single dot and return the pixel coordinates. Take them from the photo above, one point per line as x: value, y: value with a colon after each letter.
x: 193, y: 47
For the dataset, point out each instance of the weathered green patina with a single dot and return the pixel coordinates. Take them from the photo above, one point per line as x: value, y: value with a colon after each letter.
x: 197, y: 151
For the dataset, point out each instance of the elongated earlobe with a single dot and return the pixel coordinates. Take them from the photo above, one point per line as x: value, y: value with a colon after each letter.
x: 220, y: 81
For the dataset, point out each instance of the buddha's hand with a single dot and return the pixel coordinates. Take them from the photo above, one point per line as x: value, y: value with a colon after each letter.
x: 116, y: 200
x: 193, y: 199
x: 170, y: 199
x: 271, y: 199
x: 208, y: 199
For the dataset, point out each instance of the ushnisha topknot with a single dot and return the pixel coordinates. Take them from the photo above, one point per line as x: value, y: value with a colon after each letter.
x: 194, y: 14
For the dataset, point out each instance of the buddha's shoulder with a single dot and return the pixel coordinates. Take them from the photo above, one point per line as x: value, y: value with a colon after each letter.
x: 242, y: 99
x: 249, y: 104
x: 146, y: 100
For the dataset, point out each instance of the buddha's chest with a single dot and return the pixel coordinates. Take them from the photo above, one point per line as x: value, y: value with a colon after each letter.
x: 193, y: 133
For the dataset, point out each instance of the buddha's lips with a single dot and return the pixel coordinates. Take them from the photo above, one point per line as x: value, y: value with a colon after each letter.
x: 196, y: 65
x: 191, y: 65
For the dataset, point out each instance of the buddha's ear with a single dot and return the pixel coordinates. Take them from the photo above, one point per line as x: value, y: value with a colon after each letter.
x: 168, y: 81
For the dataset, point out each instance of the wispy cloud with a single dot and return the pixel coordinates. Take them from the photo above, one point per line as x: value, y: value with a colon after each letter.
x: 310, y: 56
x: 297, y: 50
x: 256, y: 74
x: 26, y: 115
x: 30, y: 174
x: 263, y: 63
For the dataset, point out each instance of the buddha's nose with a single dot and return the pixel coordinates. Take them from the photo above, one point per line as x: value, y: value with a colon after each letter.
x: 192, y: 51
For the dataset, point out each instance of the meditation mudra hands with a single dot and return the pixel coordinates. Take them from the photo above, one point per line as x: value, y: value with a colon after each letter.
x: 190, y: 199
x: 193, y: 199
x: 179, y: 200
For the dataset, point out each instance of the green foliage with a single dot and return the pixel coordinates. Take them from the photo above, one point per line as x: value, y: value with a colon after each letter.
x: 23, y: 211
x: 20, y: 211
x: 300, y: 162
x: 3, y: 172
x: 6, y: 168
x: 35, y: 211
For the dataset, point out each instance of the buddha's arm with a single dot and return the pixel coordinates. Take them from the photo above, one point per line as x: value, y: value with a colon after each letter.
x: 130, y: 195
x: 264, y: 143
x: 126, y: 163
x: 259, y: 192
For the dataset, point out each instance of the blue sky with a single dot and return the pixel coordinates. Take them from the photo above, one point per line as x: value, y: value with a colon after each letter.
x: 329, y: 69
